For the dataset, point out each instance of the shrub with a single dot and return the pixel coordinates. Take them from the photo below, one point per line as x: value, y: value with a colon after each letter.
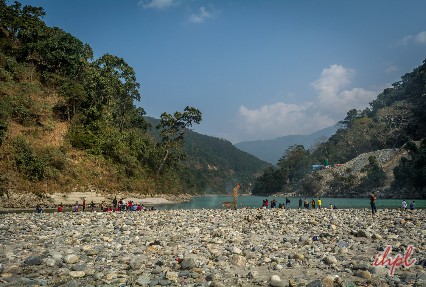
x: 44, y: 164
x: 3, y: 131
x: 33, y: 167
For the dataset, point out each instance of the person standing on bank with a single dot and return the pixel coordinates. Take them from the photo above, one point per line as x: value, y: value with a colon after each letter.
x: 373, y: 204
x: 404, y: 205
x: 114, y: 203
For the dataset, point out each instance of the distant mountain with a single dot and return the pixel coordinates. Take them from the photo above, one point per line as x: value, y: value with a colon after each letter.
x: 215, y: 164
x: 272, y: 150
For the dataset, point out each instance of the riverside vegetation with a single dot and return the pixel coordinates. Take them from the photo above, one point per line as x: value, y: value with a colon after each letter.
x: 69, y: 123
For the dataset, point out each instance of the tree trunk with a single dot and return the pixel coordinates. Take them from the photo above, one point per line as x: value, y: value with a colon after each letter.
x: 163, y: 162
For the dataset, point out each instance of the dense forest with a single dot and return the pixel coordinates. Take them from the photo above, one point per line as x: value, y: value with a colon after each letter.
x: 395, y: 119
x: 70, y: 122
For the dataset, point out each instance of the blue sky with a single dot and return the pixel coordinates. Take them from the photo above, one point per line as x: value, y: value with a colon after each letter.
x: 255, y: 69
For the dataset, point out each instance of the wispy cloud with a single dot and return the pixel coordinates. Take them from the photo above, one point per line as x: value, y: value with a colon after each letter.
x: 419, y: 38
x: 331, y: 104
x: 157, y: 4
x: 280, y: 119
x: 392, y: 69
x: 201, y: 16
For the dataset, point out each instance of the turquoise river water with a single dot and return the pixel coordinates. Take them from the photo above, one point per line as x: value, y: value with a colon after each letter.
x: 249, y: 201
x: 214, y: 202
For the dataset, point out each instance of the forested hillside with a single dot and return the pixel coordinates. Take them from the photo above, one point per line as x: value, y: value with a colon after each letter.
x: 69, y: 122
x: 395, y: 120
x: 215, y: 164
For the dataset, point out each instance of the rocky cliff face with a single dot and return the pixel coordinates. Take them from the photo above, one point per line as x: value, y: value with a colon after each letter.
x: 342, y: 180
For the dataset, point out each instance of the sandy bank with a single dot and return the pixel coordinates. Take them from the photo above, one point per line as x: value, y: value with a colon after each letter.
x: 29, y: 200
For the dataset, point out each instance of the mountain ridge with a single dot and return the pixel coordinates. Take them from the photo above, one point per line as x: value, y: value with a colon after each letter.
x: 272, y: 150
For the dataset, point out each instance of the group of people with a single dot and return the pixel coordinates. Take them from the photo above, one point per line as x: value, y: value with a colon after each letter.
x: 117, y: 205
x: 306, y: 204
x: 312, y: 204
x: 373, y: 198
x: 404, y: 205
x: 265, y: 203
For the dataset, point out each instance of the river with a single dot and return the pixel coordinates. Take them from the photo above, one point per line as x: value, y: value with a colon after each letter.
x: 213, y: 202
x: 249, y: 201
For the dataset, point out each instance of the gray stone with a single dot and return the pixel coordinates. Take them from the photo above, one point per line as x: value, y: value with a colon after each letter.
x: 363, y: 233
x: 137, y: 262
x: 187, y: 263
x: 77, y: 274
x: 33, y: 260
x: 316, y: 283
x: 143, y: 281
x: 276, y: 281
x: 363, y: 274
x: 330, y: 260
x: 216, y: 284
x: 363, y: 266
x: 79, y: 267
x: 184, y: 273
x: 253, y: 274
x: 50, y: 262
x: 71, y: 259
x: 238, y: 260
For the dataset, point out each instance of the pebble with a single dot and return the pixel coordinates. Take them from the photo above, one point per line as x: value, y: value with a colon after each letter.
x: 210, y: 248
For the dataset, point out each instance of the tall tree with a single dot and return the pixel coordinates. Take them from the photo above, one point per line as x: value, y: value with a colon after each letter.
x: 173, y: 128
x: 411, y: 171
x: 295, y: 163
x: 112, y: 84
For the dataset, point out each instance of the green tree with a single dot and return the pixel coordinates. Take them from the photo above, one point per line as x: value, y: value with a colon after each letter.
x: 375, y: 175
x: 17, y: 23
x: 271, y: 181
x: 54, y: 50
x: 172, y: 129
x: 292, y: 167
x: 112, y: 89
x: 295, y: 163
x: 411, y: 171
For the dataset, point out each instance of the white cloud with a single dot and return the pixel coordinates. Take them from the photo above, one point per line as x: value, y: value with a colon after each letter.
x: 330, y: 105
x: 201, y: 16
x: 157, y: 4
x: 420, y: 38
x: 333, y: 80
x: 332, y: 98
x: 406, y: 40
x: 279, y: 119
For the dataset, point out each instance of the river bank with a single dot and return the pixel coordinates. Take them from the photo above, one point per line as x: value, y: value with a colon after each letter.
x: 28, y: 201
x: 211, y: 247
x: 27, y: 204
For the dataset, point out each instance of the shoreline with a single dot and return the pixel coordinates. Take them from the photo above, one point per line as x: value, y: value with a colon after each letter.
x: 69, y: 209
x: 28, y: 202
x: 53, y: 200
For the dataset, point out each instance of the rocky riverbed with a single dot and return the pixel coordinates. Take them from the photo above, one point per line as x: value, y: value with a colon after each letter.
x: 247, y: 247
